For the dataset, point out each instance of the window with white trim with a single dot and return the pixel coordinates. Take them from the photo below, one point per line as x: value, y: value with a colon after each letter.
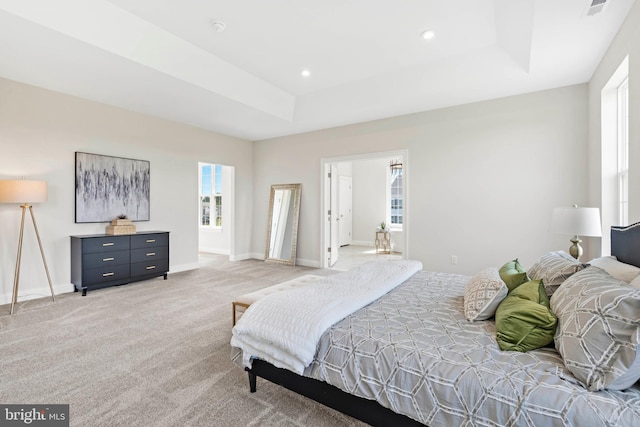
x: 210, y: 199
x: 623, y: 152
x: 396, y: 202
x: 614, y: 151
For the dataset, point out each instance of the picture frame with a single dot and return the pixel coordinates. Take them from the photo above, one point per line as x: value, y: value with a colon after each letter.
x: 108, y: 186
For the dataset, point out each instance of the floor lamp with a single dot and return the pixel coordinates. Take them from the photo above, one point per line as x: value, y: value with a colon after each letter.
x: 25, y: 193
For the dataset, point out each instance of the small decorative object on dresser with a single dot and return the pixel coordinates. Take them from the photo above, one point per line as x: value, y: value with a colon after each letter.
x: 121, y: 225
x: 102, y: 260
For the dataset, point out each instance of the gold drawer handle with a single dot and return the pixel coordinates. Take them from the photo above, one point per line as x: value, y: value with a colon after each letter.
x: 151, y: 267
x: 151, y: 254
x: 107, y: 244
x: 151, y: 240
x: 108, y: 259
x: 108, y: 274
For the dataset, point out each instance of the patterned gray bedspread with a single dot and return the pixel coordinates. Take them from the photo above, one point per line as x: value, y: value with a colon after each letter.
x: 414, y: 352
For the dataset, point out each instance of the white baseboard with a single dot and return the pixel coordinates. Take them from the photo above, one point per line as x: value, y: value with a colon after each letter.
x: 215, y: 251
x: 242, y: 257
x: 308, y: 263
x: 40, y: 292
x: 183, y: 267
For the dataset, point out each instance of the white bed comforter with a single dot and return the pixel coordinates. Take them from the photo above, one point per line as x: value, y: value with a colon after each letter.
x: 284, y: 328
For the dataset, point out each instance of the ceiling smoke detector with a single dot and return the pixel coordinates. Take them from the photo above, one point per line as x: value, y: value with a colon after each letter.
x: 218, y: 26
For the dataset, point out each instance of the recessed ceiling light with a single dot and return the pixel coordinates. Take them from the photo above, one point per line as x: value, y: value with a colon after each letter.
x: 305, y: 73
x: 428, y: 34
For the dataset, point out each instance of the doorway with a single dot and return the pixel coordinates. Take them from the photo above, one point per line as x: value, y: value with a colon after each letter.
x: 215, y: 210
x: 367, y: 178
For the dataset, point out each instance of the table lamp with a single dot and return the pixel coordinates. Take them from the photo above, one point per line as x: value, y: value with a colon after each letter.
x: 577, y: 222
x: 25, y: 193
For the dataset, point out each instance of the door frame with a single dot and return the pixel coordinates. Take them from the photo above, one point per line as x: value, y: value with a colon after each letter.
x: 325, y: 238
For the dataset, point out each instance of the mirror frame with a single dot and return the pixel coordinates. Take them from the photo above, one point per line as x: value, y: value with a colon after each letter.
x: 294, y: 223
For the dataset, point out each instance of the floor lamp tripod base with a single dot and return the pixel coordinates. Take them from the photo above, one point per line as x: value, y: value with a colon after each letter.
x: 16, y: 280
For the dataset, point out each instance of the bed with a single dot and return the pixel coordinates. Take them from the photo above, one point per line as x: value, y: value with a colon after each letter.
x: 412, y: 357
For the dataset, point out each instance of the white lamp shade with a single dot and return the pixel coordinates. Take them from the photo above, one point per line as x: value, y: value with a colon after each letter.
x: 576, y: 221
x: 23, y: 191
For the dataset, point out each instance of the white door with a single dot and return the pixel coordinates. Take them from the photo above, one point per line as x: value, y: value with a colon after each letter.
x: 334, y: 245
x: 345, y: 218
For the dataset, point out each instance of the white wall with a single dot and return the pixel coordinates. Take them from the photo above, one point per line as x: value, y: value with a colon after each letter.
x: 39, y: 132
x: 345, y: 169
x: 627, y: 42
x: 482, y: 178
x: 369, y: 198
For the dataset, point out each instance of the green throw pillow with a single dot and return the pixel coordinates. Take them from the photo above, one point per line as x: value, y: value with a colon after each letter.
x: 523, y: 319
x: 513, y: 274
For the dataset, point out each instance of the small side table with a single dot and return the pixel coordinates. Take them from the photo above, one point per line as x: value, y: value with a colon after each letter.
x: 383, y: 242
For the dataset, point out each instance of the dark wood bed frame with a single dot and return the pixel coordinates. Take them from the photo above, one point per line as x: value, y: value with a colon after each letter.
x: 625, y: 245
x: 366, y: 410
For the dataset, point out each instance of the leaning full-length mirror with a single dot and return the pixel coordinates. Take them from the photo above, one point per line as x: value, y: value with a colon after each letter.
x: 282, y: 227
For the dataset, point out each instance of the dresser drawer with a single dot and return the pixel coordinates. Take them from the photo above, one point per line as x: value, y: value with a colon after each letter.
x: 149, y: 254
x: 105, y: 274
x: 158, y: 267
x: 105, y: 244
x: 105, y: 259
x: 139, y: 241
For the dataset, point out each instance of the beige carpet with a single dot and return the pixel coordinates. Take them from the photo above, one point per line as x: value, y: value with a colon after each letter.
x: 153, y: 353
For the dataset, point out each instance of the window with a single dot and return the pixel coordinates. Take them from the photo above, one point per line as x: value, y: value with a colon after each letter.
x: 395, y: 193
x: 210, y: 195
x: 614, y: 152
x: 623, y: 152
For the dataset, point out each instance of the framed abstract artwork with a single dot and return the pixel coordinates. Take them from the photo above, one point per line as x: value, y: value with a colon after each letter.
x: 107, y: 187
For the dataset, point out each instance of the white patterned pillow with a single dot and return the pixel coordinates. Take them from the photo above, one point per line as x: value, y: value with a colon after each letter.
x: 483, y: 293
x: 598, y: 329
x: 554, y: 268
